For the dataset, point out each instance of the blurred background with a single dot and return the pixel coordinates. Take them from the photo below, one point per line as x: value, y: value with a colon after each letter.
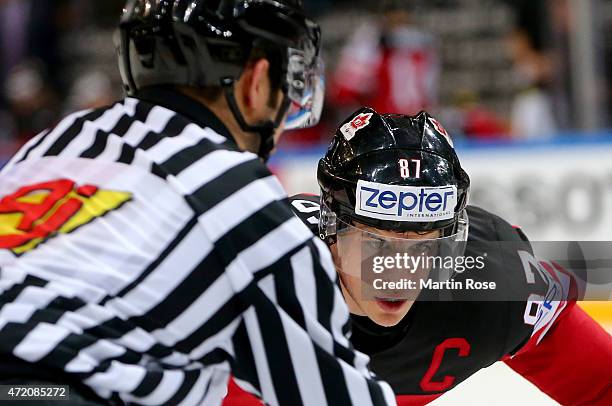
x: 524, y: 87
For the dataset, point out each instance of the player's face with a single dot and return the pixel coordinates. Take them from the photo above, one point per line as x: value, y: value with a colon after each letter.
x: 385, y: 312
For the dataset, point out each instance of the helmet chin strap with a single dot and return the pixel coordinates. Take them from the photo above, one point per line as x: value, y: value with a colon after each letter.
x: 265, y: 130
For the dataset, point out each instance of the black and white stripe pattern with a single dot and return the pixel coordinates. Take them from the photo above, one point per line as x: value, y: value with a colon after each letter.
x: 159, y: 302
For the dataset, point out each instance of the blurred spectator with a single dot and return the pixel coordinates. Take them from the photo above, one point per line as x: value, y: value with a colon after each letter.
x: 32, y: 103
x: 532, y: 109
x: 388, y: 64
x: 28, y: 30
x: 468, y: 117
x: 91, y: 90
x: 530, y: 47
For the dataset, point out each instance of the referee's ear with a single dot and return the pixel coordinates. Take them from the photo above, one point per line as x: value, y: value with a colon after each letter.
x: 253, y: 92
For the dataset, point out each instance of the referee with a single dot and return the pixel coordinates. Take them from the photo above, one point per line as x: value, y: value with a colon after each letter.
x: 147, y: 253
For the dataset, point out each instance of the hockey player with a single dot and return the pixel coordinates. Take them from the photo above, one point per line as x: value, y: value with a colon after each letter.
x: 146, y: 252
x: 426, y: 347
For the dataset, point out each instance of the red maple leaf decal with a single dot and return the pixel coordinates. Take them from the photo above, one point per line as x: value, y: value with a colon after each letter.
x: 361, y: 121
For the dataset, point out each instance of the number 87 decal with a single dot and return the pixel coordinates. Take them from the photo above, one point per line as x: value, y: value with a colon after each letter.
x: 404, y: 165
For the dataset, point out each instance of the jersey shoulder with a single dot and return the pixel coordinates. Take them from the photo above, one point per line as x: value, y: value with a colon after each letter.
x: 486, y: 226
x: 523, y: 282
x: 307, y: 208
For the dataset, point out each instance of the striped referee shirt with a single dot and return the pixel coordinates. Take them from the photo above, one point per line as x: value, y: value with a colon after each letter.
x: 143, y: 255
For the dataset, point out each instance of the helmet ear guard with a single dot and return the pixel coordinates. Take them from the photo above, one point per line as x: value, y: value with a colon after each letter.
x: 328, y: 224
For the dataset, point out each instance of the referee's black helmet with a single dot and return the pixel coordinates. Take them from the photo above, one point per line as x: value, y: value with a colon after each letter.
x: 207, y: 44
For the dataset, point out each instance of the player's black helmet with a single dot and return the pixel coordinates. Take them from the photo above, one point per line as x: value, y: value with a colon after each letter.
x: 393, y: 172
x: 207, y: 43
